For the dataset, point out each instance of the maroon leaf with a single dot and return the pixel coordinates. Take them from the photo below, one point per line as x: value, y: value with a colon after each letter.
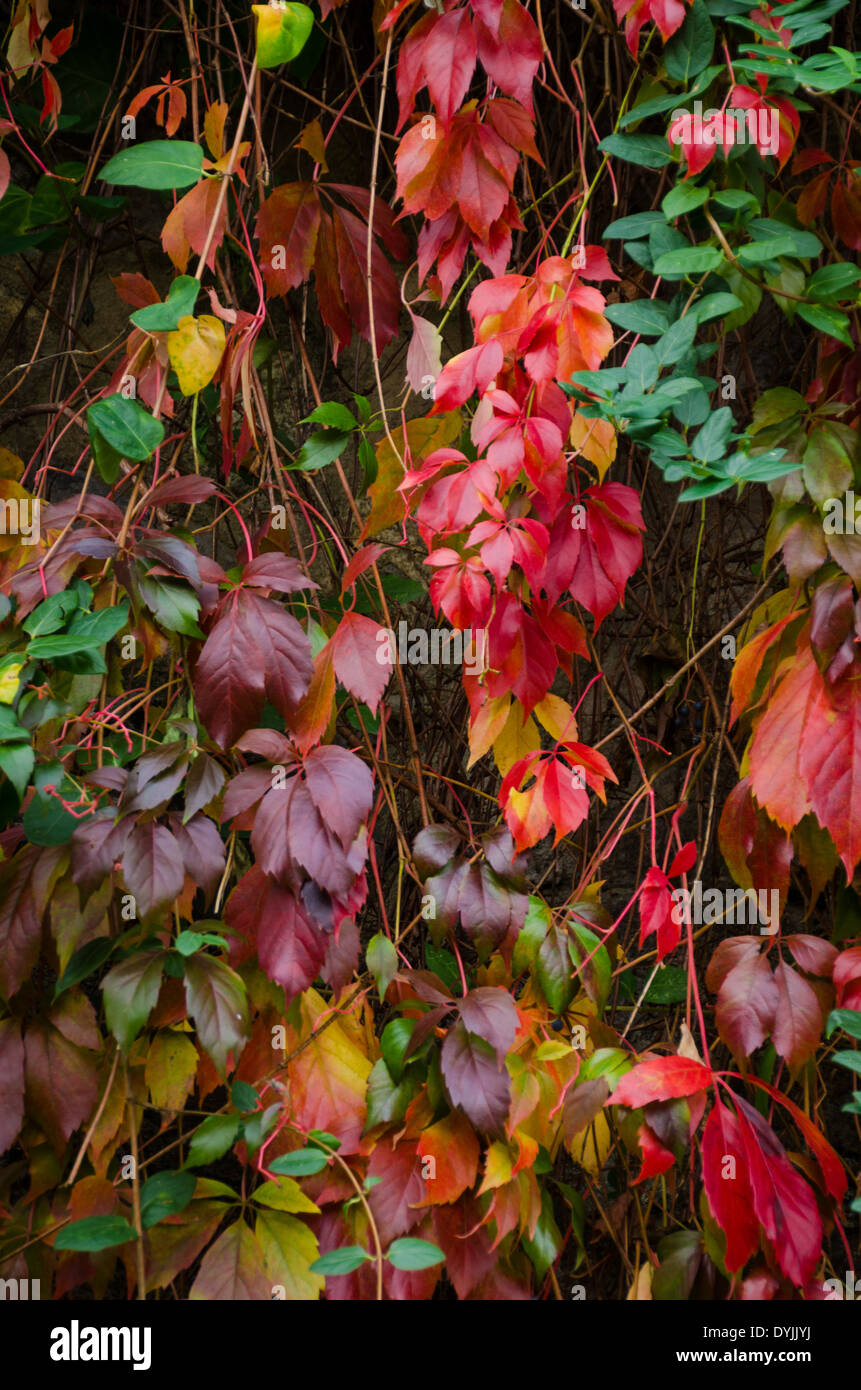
x: 152, y: 868
x: 474, y: 1080
x: 491, y: 1014
x: 488, y: 909
x: 393, y: 1199
x: 798, y: 1017
x: 232, y: 1268
x: 269, y: 744
x: 342, y: 789
x: 813, y: 954
x: 216, y: 1001
x: 582, y: 1103
x: 202, y: 850
x: 255, y: 651
x: 61, y: 1083
x: 11, y: 1082
x: 342, y: 956
x: 290, y: 946
x: 466, y: 1244
x: 203, y: 783
x: 276, y: 571
x: 96, y: 847
x: 245, y: 790
x: 187, y: 490
x: 26, y: 882
x: 726, y: 956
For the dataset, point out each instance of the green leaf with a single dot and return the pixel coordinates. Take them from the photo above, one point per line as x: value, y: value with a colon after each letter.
x: 829, y: 321
x: 833, y: 281
x: 713, y: 306
x: 630, y: 228
x: 758, y: 251
x: 94, y: 1233
x: 677, y: 341
x: 682, y: 199
x: 847, y: 1019
x: 649, y: 151
x: 670, y: 986
x: 531, y: 934
x: 17, y: 761
x: 690, y: 48
x: 165, y: 1194
x: 342, y: 1261
x: 162, y: 318
x: 544, y: 1246
x: 381, y: 959
x: 323, y: 447
x: 130, y: 990
x: 688, y: 260
x: 333, y: 416
x: 212, y: 1139
x: 84, y: 963
x: 410, y: 1253
x: 282, y: 32
x: 126, y: 427
x: 107, y: 459
x: 173, y: 604
x: 734, y: 198
x: 393, y: 1044
x: 852, y: 1060
x: 156, y: 164
x: 648, y: 317
x: 243, y: 1096
x: 710, y: 444
x: 50, y: 615
x: 596, y: 976
x: 299, y: 1164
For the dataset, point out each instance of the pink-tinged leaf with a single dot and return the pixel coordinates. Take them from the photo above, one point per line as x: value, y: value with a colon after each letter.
x: 798, y: 1017
x: 186, y: 490
x: 232, y: 1269
x: 400, y: 1190
x: 245, y: 790
x: 727, y: 954
x: 11, y: 1082
x: 342, y: 789
x: 474, y: 1080
x: 203, y: 783
x: 491, y: 1014
x: 511, y: 52
x: 153, y: 869
x: 255, y: 651
x: 747, y: 1005
x: 273, y: 570
x: 727, y: 1187
x: 847, y: 978
x: 783, y: 1202
x: 424, y: 362
x: 660, y: 1078
x: 202, y: 849
x: 360, y: 659
x: 813, y: 954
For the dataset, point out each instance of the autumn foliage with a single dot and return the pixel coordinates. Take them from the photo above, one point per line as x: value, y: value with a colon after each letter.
x: 332, y: 970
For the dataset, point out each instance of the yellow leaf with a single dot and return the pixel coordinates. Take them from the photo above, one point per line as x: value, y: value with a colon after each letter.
x: 10, y: 671
x: 213, y: 128
x: 551, y: 1051
x: 595, y: 440
x: 285, y: 1195
x: 195, y: 349
x: 10, y: 464
x: 516, y: 739
x: 312, y: 140
x: 329, y: 1077
x: 424, y: 434
x: 497, y: 1168
x: 591, y: 1148
x: 487, y: 726
x: 557, y: 717
x: 289, y: 1249
x: 170, y: 1069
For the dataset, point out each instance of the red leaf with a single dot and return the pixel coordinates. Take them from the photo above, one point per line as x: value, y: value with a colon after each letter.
x: 360, y: 660
x: 400, y: 1190
x: 359, y: 562
x: 684, y: 860
x: 782, y: 1200
x: 62, y: 1084
x: 26, y: 883
x: 727, y: 1188
x: 658, y: 912
x: 813, y: 954
x: 656, y: 1159
x: 276, y: 571
x: 287, y: 228
x: 448, y: 61
x: 660, y: 1078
